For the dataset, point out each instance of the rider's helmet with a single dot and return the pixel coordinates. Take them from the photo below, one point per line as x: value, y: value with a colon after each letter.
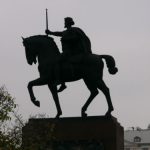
x: 69, y: 21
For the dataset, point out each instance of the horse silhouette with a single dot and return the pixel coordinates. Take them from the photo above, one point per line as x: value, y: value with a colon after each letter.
x: 43, y: 49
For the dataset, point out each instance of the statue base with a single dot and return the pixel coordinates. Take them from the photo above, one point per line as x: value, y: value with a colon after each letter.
x: 94, y: 133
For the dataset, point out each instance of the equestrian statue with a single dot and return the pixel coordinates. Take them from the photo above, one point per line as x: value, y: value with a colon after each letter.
x: 74, y: 63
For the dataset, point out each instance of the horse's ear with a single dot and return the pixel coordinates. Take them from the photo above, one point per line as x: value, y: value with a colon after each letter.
x: 23, y: 38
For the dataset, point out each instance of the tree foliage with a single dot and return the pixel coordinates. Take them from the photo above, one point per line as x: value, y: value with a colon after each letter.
x: 7, y: 105
x: 11, y: 122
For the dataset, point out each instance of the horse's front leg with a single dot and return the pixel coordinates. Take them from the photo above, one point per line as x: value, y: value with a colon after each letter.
x: 53, y: 90
x: 37, y: 82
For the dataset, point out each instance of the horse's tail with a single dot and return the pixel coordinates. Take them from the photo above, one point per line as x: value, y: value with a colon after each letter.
x: 110, y: 62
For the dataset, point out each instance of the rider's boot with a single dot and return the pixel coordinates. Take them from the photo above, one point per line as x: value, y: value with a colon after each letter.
x: 58, y: 79
x: 62, y: 87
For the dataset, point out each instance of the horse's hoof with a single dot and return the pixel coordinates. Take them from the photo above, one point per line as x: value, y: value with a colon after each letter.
x: 36, y: 103
x: 58, y: 115
x: 108, y: 113
x: 84, y: 115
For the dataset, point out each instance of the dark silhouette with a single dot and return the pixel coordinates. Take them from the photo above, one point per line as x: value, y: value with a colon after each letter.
x: 83, y: 145
x: 74, y: 40
x: 74, y: 43
x: 89, y: 68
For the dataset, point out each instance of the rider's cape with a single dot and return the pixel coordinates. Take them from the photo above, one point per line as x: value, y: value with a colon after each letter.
x: 85, y: 41
x: 75, y: 41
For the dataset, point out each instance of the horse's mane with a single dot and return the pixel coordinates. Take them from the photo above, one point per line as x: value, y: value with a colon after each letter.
x: 39, y: 38
x: 44, y: 40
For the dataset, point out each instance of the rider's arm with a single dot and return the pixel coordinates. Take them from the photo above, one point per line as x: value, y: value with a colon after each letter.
x: 54, y: 33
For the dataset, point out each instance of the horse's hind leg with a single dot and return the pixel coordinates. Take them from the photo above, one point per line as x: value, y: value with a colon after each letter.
x: 105, y: 90
x: 94, y: 92
x: 37, y: 82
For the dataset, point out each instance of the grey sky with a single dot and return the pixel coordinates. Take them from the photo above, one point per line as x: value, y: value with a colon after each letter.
x: 117, y: 27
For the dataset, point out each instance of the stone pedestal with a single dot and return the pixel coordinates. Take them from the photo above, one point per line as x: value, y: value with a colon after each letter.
x: 91, y: 133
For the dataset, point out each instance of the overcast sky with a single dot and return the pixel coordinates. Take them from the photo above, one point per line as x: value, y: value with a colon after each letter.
x: 120, y: 28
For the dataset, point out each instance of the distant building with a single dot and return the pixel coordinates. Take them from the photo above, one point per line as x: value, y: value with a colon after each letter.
x: 138, y: 139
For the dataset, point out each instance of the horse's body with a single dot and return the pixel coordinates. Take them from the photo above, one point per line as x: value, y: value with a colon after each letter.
x: 89, y: 68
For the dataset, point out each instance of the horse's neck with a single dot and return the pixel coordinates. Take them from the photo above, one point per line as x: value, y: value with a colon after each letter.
x: 48, y: 50
x: 48, y: 55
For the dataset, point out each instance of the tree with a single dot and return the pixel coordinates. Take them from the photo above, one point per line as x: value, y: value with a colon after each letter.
x: 7, y: 105
x: 10, y: 133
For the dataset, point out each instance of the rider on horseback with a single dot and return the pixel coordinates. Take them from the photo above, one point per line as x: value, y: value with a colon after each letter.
x: 75, y: 44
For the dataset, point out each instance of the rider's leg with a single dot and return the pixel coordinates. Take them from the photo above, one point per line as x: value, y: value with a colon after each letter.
x: 57, y: 74
x: 58, y: 71
x: 58, y: 78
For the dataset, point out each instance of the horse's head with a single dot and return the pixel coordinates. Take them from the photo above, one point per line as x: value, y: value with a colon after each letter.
x: 38, y: 45
x: 30, y: 50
